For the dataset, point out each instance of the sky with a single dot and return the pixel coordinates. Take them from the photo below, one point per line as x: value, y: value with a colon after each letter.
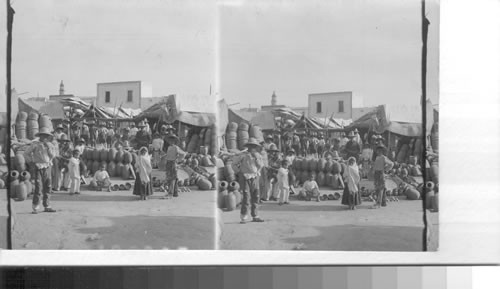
x: 83, y: 42
x: 369, y: 47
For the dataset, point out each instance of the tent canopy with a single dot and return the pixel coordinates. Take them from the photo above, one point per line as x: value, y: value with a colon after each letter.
x: 401, y: 119
x: 168, y: 112
x: 264, y: 119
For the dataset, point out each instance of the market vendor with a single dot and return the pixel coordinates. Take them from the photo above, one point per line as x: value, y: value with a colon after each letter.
x: 40, y: 155
x: 85, y: 133
x: 352, y: 148
x: 174, y: 154
x: 290, y: 157
x: 274, y: 163
x: 143, y: 137
x: 157, y: 148
x: 109, y: 136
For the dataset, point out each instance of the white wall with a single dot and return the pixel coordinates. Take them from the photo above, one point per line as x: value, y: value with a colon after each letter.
x: 330, y: 104
x: 118, y: 92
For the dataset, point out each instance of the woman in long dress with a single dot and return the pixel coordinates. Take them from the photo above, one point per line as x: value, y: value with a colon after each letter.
x: 351, y: 196
x: 143, y: 169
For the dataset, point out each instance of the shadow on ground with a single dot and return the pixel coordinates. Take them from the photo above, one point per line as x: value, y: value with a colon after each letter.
x: 362, y: 238
x: 113, y: 197
x: 136, y: 232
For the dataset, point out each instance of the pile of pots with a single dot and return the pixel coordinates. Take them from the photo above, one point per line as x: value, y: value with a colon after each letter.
x: 118, y: 163
x: 204, y: 142
x: 237, y: 135
x: 28, y: 125
x: 229, y: 195
x: 20, y: 185
x: 327, y: 173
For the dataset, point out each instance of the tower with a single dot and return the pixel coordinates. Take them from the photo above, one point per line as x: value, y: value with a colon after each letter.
x: 274, y: 100
x: 61, y: 88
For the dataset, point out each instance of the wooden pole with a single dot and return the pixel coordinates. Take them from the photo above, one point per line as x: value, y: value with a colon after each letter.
x: 425, y: 30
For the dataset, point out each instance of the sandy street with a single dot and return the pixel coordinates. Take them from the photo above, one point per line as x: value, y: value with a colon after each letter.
x: 328, y: 225
x: 117, y: 220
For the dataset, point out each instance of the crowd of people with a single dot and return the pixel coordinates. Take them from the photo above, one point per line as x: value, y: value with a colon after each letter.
x: 264, y: 174
x: 55, y: 159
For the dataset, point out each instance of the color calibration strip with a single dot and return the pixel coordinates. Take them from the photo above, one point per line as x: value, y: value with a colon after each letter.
x: 241, y: 277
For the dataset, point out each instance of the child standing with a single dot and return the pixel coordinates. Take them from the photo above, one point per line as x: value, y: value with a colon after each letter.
x: 380, y: 166
x: 74, y: 173
x: 283, y: 186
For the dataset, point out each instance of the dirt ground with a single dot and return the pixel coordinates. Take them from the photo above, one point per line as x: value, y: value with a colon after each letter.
x: 328, y: 225
x: 118, y: 220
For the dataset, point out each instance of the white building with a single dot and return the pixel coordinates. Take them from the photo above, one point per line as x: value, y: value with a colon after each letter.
x: 339, y: 104
x: 127, y: 94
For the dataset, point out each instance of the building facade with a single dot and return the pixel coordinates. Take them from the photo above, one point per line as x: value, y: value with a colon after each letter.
x: 338, y: 104
x: 127, y: 94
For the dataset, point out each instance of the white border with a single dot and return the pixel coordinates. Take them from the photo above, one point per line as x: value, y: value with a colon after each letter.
x: 469, y: 166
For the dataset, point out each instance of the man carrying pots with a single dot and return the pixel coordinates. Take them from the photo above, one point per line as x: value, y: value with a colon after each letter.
x: 39, y: 155
x: 249, y: 166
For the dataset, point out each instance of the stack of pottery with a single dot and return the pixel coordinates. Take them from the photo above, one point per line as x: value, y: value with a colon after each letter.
x: 243, y: 135
x: 32, y: 125
x: 21, y: 125
x: 231, y: 136
x: 44, y: 121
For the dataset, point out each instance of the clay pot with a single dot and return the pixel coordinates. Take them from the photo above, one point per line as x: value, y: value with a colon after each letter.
x: 112, y: 169
x: 112, y: 155
x: 21, y: 191
x: 230, y: 201
x: 25, y: 176
x: 127, y: 157
x: 221, y: 199
x: 19, y: 162
x: 119, y: 156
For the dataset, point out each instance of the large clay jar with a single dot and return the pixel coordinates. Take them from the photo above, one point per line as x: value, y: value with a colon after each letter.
x: 322, y: 164
x: 412, y: 193
x: 321, y: 179
x: 230, y: 201
x: 127, y: 157
x: 21, y: 191
x: 119, y: 156
x: 328, y: 166
x: 329, y: 179
x: 103, y: 155
x: 336, y: 167
x: 112, y: 169
x: 229, y: 172
x: 304, y: 175
x: 25, y: 176
x: 19, y: 162
x: 429, y: 195
x: 125, y: 171
x: 95, y: 166
x: 112, y: 155
x: 221, y: 199
x: 95, y: 155
x: 435, y: 172
x: 14, y: 181
x: 119, y: 169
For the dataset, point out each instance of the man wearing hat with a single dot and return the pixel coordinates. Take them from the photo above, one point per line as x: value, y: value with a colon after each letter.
x: 352, y: 148
x: 157, y: 147
x: 174, y: 155
x: 290, y: 157
x: 381, y: 165
x: 321, y: 145
x: 102, y: 133
x: 60, y: 177
x: 39, y: 155
x: 59, y: 131
x: 85, y: 132
x: 269, y: 172
x: 357, y: 138
x: 109, y: 135
x: 250, y: 165
x: 143, y: 137
x: 133, y: 130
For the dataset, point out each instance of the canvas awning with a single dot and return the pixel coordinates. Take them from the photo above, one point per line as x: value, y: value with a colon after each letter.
x: 401, y: 119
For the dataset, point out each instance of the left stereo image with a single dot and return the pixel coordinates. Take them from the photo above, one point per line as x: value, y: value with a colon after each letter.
x: 112, y: 123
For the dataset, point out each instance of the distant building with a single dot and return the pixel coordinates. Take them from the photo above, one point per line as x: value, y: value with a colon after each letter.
x: 274, y: 103
x: 127, y: 94
x: 339, y: 104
